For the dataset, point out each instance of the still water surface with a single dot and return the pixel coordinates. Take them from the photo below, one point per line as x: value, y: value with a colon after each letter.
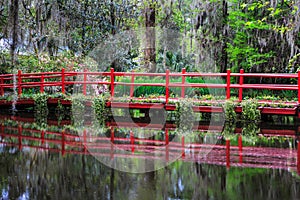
x: 35, y: 166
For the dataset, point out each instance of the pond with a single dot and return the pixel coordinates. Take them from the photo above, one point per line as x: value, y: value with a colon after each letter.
x: 122, y: 161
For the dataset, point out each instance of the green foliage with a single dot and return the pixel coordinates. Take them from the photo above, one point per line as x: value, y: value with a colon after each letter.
x: 145, y: 91
x: 41, y: 109
x: 250, y: 110
x: 242, y: 51
x: 251, y: 24
x: 249, y: 132
x: 78, y: 109
x: 174, y: 61
x: 100, y: 110
x: 228, y: 131
x: 60, y: 111
x: 294, y: 63
x: 229, y: 110
x: 185, y: 116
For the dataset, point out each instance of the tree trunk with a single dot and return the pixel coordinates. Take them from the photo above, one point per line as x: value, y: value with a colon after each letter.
x: 150, y: 49
x: 224, y: 56
x: 113, y: 32
x: 14, y: 18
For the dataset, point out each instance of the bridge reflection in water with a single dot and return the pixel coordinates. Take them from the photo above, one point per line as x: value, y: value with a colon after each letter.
x: 121, y: 141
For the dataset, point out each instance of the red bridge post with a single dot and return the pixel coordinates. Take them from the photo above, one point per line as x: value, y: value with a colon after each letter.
x: 112, y: 82
x: 43, y: 136
x: 84, y: 81
x: 167, y: 144
x: 132, y: 86
x: 2, y: 88
x: 112, y: 135
x: 112, y: 149
x: 228, y: 154
x: 167, y: 136
x: 183, y: 82
x: 63, y: 143
x: 132, y: 141
x: 19, y: 83
x: 228, y: 84
x: 167, y: 85
x: 167, y: 153
x: 240, y: 141
x: 20, y: 130
x: 42, y: 84
x: 63, y: 80
x: 182, y: 146
x: 241, y: 84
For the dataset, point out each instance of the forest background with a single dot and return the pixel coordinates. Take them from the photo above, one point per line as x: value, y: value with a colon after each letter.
x: 211, y: 35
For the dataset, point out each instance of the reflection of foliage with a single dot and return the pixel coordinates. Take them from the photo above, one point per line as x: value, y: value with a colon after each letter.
x: 249, y: 132
x: 41, y: 109
x: 60, y: 111
x: 230, y: 114
x: 250, y: 110
x: 100, y: 110
x: 78, y: 109
x: 184, y: 116
x: 228, y: 131
x: 250, y: 129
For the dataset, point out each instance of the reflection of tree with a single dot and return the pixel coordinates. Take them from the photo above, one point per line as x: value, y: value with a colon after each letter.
x: 45, y: 175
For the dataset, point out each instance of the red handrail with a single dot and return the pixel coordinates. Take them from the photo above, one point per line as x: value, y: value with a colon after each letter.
x: 63, y: 79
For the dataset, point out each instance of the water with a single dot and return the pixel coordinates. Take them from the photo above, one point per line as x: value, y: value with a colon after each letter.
x: 39, y: 164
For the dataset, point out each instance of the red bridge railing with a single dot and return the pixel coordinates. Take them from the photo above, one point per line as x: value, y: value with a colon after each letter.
x: 227, y: 155
x: 62, y: 79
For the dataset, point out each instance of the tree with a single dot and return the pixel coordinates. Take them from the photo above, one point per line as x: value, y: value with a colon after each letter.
x: 150, y: 50
x: 14, y: 32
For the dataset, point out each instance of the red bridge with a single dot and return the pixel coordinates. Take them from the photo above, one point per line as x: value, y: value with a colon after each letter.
x: 166, y: 149
x: 85, y: 79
